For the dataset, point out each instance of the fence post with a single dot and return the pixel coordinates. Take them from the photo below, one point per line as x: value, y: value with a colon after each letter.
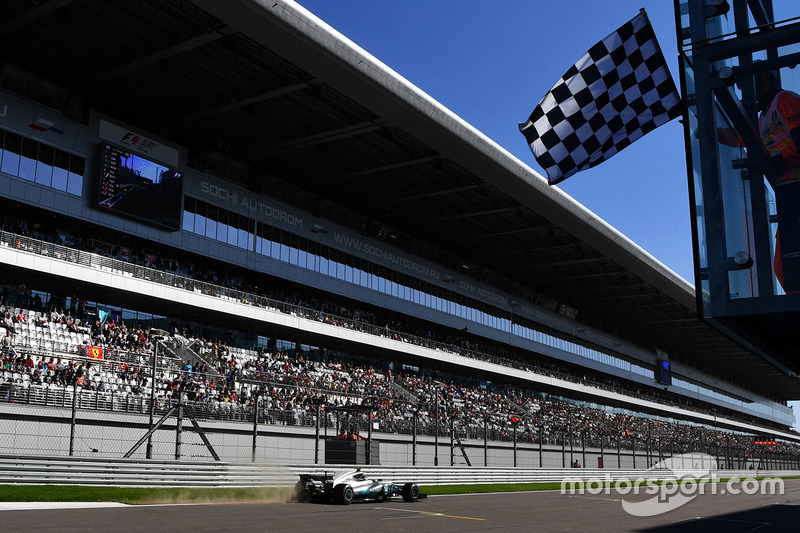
x: 452, y: 442
x: 485, y: 439
x: 414, y: 438
x: 571, y: 447
x: 255, y: 426
x: 154, y: 369
x: 602, y: 443
x: 514, y: 430
x: 583, y: 446
x: 368, y: 451
x: 179, y: 425
x: 74, y: 416
x: 541, y: 437
x: 436, y: 437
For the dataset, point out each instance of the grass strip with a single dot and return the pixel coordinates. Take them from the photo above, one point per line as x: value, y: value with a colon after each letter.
x: 141, y: 495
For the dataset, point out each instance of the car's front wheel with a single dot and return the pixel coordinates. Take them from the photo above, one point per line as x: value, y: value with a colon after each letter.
x: 343, y: 494
x: 410, y: 492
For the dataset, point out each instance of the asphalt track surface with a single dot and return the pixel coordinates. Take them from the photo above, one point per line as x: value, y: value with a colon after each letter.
x: 530, y: 511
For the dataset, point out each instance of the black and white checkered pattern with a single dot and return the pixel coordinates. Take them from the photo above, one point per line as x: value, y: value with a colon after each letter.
x: 619, y: 91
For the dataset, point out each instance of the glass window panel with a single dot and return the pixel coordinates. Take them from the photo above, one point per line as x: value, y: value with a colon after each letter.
x: 250, y: 241
x: 190, y: 204
x: 200, y: 224
x: 77, y: 165
x: 44, y: 165
x: 27, y: 163
x: 61, y: 159
x: 75, y: 184
x: 211, y: 227
x: 60, y: 178
x: 259, y: 244
x: 293, y: 255
x: 323, y: 265
x: 284, y: 253
x: 231, y: 233
x: 13, y: 147
x: 188, y: 221
x: 243, y: 239
x: 222, y: 232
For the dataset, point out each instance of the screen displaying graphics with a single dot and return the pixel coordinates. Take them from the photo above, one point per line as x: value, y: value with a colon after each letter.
x: 135, y: 186
x: 663, y: 372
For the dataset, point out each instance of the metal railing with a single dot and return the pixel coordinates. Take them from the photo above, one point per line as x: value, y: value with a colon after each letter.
x: 46, y: 470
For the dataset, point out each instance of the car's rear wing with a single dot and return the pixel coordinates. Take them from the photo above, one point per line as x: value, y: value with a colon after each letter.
x: 323, y: 477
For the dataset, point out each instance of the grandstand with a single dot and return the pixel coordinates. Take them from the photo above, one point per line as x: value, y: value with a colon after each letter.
x: 231, y: 206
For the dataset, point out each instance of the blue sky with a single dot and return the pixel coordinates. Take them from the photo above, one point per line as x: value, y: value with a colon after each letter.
x: 491, y: 63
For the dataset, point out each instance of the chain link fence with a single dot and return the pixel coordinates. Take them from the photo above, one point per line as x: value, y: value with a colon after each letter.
x: 57, y: 422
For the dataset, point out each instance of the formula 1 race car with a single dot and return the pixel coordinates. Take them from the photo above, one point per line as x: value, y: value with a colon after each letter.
x: 347, y: 486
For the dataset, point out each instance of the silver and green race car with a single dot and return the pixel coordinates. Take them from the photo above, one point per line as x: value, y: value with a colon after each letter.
x: 347, y: 486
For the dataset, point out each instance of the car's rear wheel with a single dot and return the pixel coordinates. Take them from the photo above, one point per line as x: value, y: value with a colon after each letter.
x: 300, y: 493
x: 410, y: 492
x: 343, y: 494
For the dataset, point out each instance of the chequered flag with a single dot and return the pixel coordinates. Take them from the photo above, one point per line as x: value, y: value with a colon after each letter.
x: 618, y: 91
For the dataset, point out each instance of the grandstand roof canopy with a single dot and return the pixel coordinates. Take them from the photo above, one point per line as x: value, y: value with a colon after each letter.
x: 266, y: 95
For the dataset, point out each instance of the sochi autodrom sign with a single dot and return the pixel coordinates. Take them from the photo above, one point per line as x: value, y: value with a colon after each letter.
x: 670, y: 484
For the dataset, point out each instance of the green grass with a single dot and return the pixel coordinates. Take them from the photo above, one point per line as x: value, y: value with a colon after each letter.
x: 137, y: 495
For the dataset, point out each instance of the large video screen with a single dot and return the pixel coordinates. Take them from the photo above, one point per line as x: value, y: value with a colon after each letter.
x: 135, y: 186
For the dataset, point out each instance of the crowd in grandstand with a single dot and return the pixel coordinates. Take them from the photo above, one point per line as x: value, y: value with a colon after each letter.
x: 226, y: 380
x: 242, y: 285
